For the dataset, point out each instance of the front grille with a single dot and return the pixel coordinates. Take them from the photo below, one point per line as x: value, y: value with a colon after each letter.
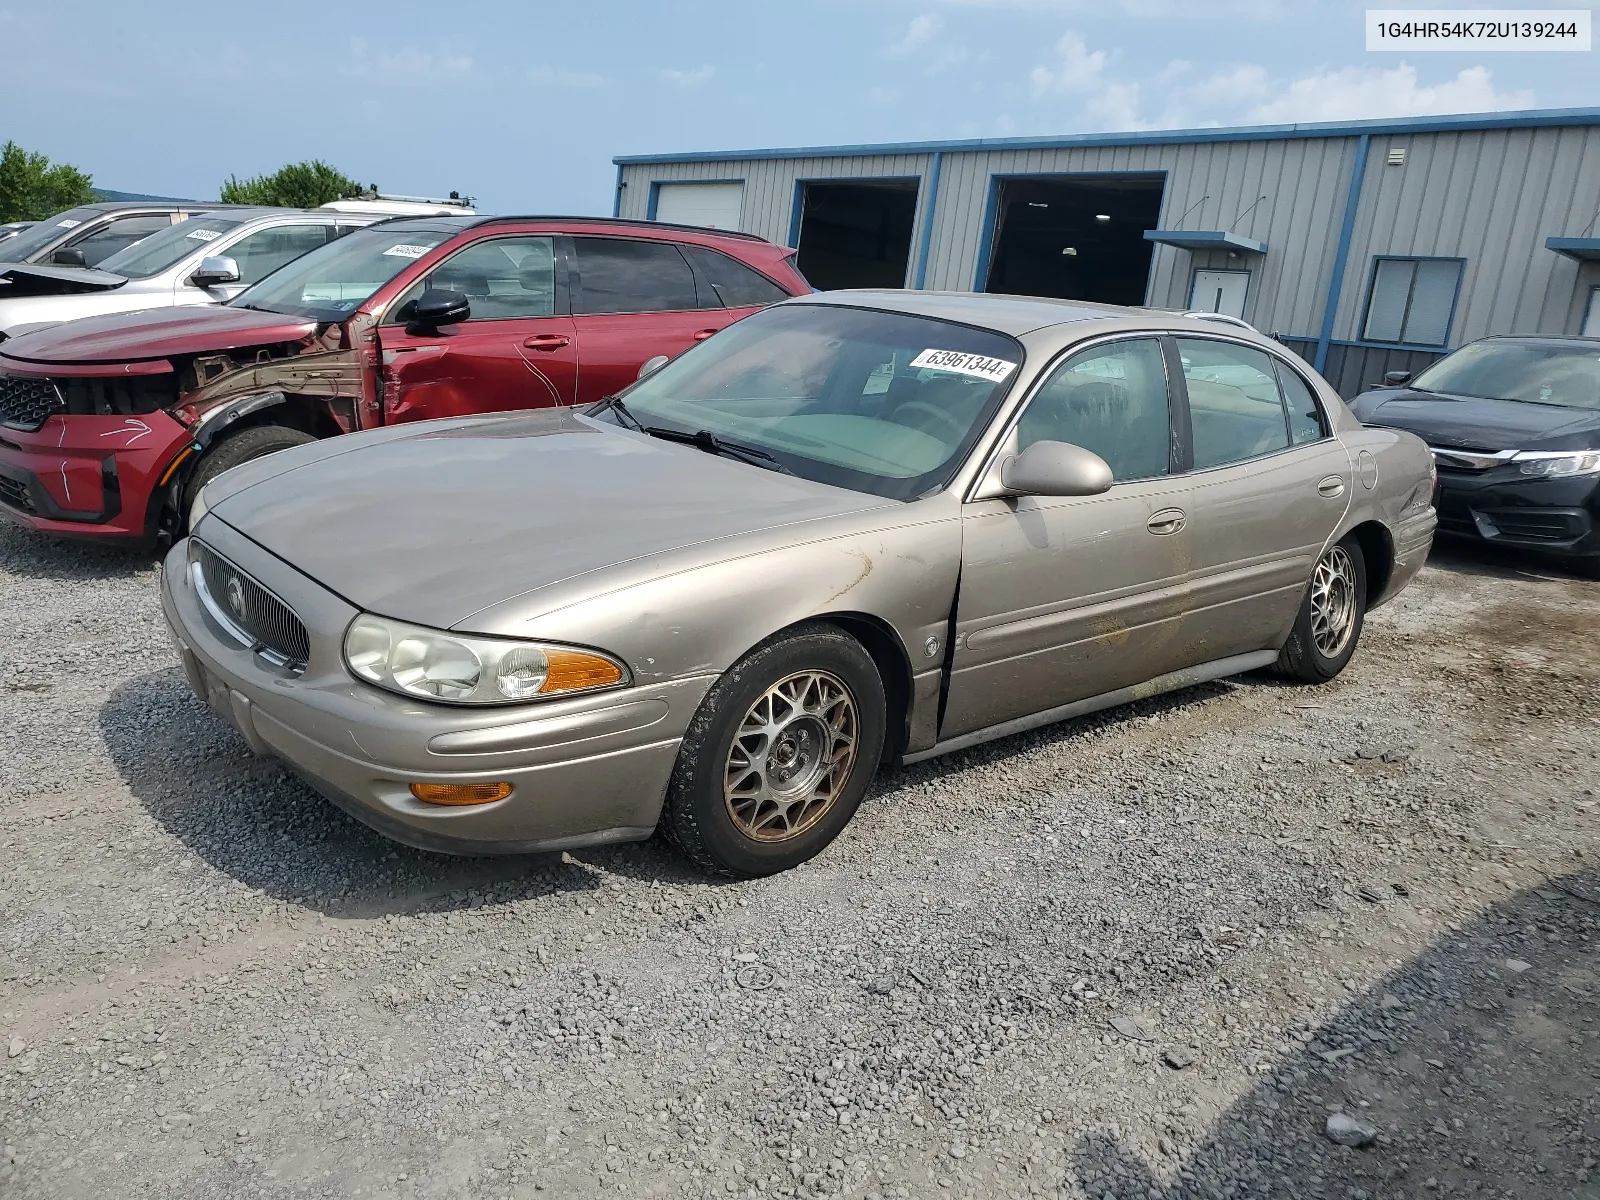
x: 27, y: 403
x: 14, y: 494
x: 256, y: 611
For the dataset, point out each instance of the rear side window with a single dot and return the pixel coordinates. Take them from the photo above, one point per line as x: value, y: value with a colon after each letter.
x: 735, y: 285
x: 617, y: 275
x: 1234, y: 403
x: 1305, y: 418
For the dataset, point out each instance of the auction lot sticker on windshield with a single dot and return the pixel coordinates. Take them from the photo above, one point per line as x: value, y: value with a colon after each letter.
x: 204, y: 235
x: 405, y: 251
x: 69, y: 223
x: 992, y: 369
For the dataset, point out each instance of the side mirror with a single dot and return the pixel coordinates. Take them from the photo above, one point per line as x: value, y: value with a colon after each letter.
x: 1056, y: 469
x: 652, y: 365
x: 1396, y: 376
x: 68, y: 258
x: 436, y: 307
x: 215, y: 269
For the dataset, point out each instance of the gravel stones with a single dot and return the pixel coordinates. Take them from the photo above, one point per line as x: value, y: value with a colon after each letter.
x: 1348, y: 1131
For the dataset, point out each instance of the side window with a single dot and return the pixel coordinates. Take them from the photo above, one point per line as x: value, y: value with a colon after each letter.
x: 1234, y: 403
x: 1112, y: 400
x: 119, y: 235
x: 735, y: 285
x: 626, y: 276
x: 1305, y: 416
x: 261, y: 253
x: 506, y: 279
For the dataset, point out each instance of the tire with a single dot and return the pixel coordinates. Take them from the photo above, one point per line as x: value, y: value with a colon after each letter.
x: 1305, y: 655
x: 769, y: 800
x: 237, y: 449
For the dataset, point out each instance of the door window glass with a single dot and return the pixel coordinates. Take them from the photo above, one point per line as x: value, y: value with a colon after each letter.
x: 734, y: 284
x: 505, y: 279
x: 1234, y: 403
x: 1112, y: 400
x: 1305, y: 418
x: 261, y: 253
x: 119, y: 235
x: 625, y: 276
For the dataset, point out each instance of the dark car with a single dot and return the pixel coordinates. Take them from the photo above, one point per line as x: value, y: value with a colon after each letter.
x: 109, y: 426
x: 1514, y: 423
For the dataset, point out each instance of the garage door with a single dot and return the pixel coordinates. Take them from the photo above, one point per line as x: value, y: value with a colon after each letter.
x: 713, y: 205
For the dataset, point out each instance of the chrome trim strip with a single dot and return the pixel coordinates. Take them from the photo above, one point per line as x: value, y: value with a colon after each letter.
x: 214, y: 610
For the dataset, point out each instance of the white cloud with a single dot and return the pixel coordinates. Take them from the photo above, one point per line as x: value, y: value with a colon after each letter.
x: 1353, y: 93
x: 545, y: 75
x: 408, y: 64
x: 687, y: 79
x: 919, y: 33
x: 1076, y: 70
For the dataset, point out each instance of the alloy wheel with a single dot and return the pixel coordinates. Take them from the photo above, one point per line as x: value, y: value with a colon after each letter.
x: 1333, y: 602
x: 791, y: 756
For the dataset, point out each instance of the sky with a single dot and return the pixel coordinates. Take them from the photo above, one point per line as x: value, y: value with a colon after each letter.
x: 523, y: 105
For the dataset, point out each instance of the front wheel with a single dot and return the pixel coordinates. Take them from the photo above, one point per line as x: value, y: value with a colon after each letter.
x: 237, y: 449
x: 1331, y: 616
x: 778, y: 756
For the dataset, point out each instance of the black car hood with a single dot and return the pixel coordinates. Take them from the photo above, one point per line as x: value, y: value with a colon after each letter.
x: 31, y: 279
x: 1475, y: 423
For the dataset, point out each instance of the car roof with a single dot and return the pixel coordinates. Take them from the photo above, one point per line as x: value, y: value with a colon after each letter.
x: 111, y: 206
x: 1551, y: 339
x: 1013, y: 315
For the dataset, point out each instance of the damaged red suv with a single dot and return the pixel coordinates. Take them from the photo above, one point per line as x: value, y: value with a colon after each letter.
x: 109, y: 426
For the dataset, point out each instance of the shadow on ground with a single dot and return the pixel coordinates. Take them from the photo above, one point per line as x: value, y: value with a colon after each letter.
x: 1465, y: 557
x: 37, y: 556
x: 1477, y: 1063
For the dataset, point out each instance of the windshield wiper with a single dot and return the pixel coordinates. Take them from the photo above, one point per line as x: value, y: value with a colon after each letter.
x: 615, y: 404
x: 704, y: 439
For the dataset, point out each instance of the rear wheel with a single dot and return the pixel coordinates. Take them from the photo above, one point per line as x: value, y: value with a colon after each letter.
x: 237, y: 449
x: 778, y: 756
x: 1331, y: 616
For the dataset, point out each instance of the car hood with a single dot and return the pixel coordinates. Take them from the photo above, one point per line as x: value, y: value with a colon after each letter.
x: 1475, y: 423
x: 29, y: 279
x: 157, y: 333
x: 454, y: 517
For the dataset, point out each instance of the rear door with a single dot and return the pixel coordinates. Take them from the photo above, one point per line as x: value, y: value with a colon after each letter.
x: 633, y: 299
x: 1270, y: 485
x: 517, y: 350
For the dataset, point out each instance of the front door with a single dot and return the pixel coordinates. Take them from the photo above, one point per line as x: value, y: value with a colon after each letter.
x: 514, y: 351
x: 1269, y: 487
x: 1220, y: 292
x: 1062, y: 598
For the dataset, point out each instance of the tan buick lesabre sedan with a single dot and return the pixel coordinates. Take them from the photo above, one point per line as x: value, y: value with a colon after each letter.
x: 854, y: 528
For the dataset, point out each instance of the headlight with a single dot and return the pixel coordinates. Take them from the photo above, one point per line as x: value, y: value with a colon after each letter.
x: 198, y: 509
x: 1558, y: 464
x: 463, y: 669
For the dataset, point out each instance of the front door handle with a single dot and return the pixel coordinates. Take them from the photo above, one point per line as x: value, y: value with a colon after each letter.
x: 1168, y: 520
x: 701, y: 335
x: 547, y: 341
x: 1330, y: 487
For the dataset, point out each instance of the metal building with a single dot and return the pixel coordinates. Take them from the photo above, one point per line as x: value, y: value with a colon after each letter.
x: 1367, y: 246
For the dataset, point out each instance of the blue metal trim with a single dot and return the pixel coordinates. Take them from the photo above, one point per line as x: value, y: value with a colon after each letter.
x: 796, y: 210
x: 986, y: 246
x: 1583, y: 249
x: 1341, y: 256
x: 797, y: 205
x: 1450, y: 321
x: 1529, y: 119
x: 929, y: 208
x: 1205, y: 239
x: 654, y: 200
x: 616, y: 196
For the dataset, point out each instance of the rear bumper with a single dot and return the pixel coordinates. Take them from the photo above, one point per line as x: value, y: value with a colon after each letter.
x: 88, y: 476
x: 583, y: 772
x: 1559, y: 517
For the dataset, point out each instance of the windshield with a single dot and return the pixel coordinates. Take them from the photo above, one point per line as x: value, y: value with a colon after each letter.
x: 1567, y: 375
x: 154, y: 254
x: 30, y: 241
x: 877, y: 402
x: 332, y: 281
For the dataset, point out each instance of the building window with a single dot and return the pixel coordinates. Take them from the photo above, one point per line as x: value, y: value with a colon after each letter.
x: 1411, y: 300
x: 1591, y: 319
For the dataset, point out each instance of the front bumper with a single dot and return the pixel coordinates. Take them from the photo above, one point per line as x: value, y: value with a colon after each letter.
x: 1558, y: 517
x: 584, y: 771
x: 88, y: 476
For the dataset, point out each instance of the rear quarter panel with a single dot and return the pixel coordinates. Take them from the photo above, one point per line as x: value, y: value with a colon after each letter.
x: 1392, y: 486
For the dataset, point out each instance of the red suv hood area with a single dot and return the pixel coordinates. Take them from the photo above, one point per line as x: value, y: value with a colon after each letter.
x: 156, y: 333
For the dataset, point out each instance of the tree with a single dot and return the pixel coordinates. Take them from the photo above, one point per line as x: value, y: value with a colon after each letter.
x: 298, y: 185
x: 32, y: 188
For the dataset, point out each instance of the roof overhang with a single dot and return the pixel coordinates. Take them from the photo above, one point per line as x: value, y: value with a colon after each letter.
x: 1206, y: 239
x: 1584, y: 249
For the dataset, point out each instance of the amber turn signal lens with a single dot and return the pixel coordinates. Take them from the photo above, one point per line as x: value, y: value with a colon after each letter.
x: 460, y: 793
x: 573, y: 670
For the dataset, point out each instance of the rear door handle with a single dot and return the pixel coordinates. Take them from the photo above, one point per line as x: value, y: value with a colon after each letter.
x: 1330, y: 487
x: 701, y: 335
x: 547, y: 341
x: 1168, y: 520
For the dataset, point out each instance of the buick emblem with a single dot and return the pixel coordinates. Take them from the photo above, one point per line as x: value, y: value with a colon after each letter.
x: 236, y: 596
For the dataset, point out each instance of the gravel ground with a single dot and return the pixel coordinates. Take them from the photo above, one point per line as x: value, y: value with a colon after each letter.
x: 1147, y: 954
